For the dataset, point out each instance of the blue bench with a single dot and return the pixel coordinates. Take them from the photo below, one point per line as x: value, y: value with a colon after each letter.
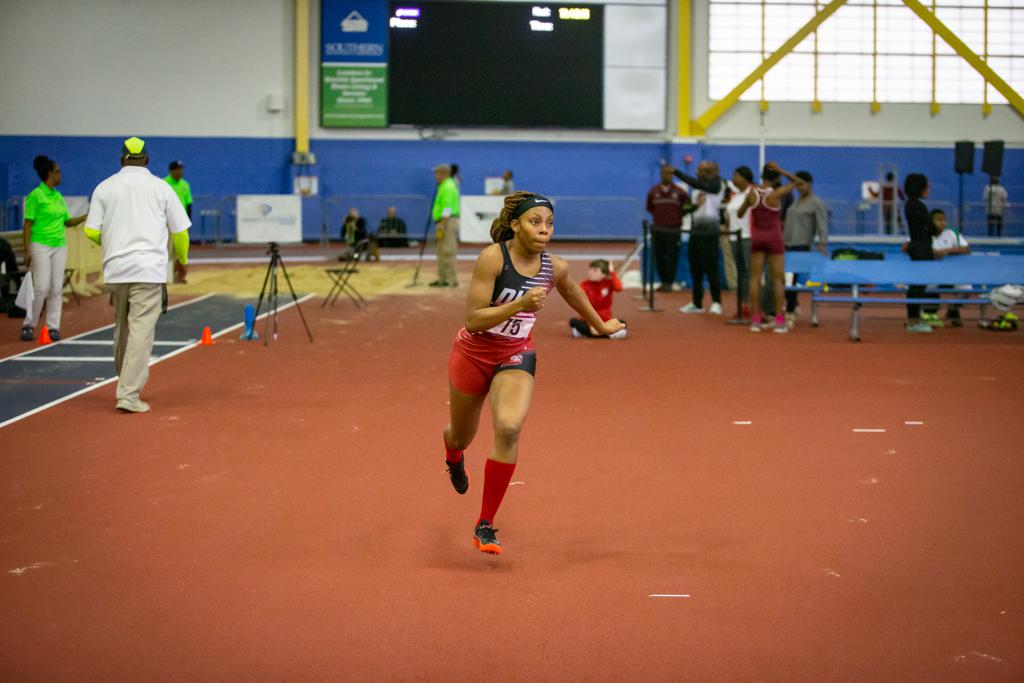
x: 980, y: 271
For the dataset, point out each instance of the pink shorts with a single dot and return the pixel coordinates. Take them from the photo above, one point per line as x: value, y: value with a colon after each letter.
x: 477, y: 358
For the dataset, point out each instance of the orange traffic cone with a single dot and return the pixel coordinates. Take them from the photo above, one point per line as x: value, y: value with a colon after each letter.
x: 44, y: 336
x: 207, y: 339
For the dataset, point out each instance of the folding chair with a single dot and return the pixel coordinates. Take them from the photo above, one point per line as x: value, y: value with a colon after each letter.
x: 341, y: 277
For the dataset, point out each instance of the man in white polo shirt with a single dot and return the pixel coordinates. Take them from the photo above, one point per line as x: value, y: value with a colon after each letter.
x: 129, y: 217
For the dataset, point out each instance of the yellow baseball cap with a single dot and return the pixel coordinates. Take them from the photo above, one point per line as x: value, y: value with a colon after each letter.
x: 134, y: 148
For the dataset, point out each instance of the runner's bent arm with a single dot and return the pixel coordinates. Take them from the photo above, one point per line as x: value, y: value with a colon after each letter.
x: 577, y: 299
x: 480, y: 315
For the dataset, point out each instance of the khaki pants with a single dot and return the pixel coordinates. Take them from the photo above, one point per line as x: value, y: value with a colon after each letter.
x: 136, y: 310
x: 448, y: 250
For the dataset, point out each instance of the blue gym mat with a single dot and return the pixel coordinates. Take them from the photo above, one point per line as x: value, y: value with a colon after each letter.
x: 44, y: 374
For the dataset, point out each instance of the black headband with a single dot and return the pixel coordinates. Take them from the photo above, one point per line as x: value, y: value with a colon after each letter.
x: 529, y: 203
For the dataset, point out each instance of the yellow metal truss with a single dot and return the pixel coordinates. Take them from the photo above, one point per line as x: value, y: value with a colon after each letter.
x: 700, y: 125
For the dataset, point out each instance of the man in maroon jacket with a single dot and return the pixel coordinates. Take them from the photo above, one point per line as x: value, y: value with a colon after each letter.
x: 666, y: 203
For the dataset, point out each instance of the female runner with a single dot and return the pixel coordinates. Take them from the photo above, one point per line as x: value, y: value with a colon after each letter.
x: 765, y: 206
x: 494, y: 353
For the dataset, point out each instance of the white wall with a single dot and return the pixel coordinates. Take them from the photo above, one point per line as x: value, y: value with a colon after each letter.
x: 152, y: 67
x: 204, y: 68
x: 792, y: 122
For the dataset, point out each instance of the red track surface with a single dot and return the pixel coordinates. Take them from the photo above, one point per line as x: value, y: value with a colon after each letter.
x: 284, y: 512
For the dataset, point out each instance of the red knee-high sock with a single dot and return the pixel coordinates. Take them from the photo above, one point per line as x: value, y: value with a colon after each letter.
x: 497, y: 475
x: 453, y: 456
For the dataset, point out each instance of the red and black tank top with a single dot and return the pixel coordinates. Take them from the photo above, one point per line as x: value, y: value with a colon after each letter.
x: 511, y: 285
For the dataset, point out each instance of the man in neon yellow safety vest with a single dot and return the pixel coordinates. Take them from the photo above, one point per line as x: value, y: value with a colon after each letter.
x: 176, y: 179
x: 446, y: 217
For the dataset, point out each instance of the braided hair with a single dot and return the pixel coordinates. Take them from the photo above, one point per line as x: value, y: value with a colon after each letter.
x: 501, y: 227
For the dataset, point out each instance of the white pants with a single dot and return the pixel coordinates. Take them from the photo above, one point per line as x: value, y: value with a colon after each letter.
x: 47, y: 284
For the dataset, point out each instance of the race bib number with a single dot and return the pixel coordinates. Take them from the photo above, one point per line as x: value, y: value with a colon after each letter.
x: 514, y: 328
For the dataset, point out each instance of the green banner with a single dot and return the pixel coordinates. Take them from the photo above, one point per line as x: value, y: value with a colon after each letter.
x: 353, y: 96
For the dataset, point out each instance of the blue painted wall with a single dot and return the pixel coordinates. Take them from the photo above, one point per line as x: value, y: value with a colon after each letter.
x: 227, y: 166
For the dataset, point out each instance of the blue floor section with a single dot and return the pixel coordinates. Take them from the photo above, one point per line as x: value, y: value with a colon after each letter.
x: 49, y: 373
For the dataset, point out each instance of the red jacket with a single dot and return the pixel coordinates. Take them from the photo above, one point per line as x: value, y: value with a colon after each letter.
x: 600, y: 294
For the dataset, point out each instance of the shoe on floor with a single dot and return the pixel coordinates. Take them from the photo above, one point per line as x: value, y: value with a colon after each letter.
x: 780, y: 325
x: 136, y: 406
x: 484, y: 539
x: 26, y: 334
x: 576, y: 333
x: 436, y: 283
x: 452, y: 284
x: 665, y: 289
x: 691, y: 308
x: 621, y: 334
x: 458, y: 476
x: 918, y: 327
x: 716, y: 309
x: 756, y: 322
x: 54, y: 335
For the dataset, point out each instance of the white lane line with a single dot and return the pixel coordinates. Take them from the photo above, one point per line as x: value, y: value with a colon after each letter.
x: 110, y: 342
x: 668, y: 595
x: 913, y: 422
x: 100, y: 329
x: 742, y: 422
x: 868, y: 431
x: 66, y: 359
x: 18, y: 571
x: 152, y: 362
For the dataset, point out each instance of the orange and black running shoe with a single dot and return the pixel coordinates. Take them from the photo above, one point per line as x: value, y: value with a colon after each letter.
x: 484, y: 539
x: 457, y: 473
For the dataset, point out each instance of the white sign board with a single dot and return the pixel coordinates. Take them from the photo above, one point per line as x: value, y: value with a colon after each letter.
x: 475, y: 217
x: 263, y: 218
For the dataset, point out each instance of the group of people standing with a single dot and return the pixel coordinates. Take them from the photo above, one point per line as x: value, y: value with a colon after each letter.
x: 755, y: 224
x: 132, y: 216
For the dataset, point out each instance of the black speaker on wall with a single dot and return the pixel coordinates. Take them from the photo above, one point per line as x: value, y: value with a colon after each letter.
x: 964, y: 157
x: 992, y: 162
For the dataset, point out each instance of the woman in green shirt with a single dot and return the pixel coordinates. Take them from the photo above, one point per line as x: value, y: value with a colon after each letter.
x: 46, y: 247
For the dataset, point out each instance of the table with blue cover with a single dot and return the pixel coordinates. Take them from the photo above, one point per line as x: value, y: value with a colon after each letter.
x: 979, y: 270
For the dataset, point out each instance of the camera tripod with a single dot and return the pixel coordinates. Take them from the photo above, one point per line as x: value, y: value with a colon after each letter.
x: 271, y: 294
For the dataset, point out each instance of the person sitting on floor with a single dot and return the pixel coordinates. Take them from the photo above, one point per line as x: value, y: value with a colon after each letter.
x: 392, y: 231
x: 354, y: 229
x: 600, y: 286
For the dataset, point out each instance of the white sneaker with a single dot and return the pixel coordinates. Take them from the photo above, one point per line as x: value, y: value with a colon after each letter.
x: 621, y: 334
x: 690, y: 308
x: 575, y: 333
x: 136, y: 406
x: 791, y: 320
x: 716, y: 309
